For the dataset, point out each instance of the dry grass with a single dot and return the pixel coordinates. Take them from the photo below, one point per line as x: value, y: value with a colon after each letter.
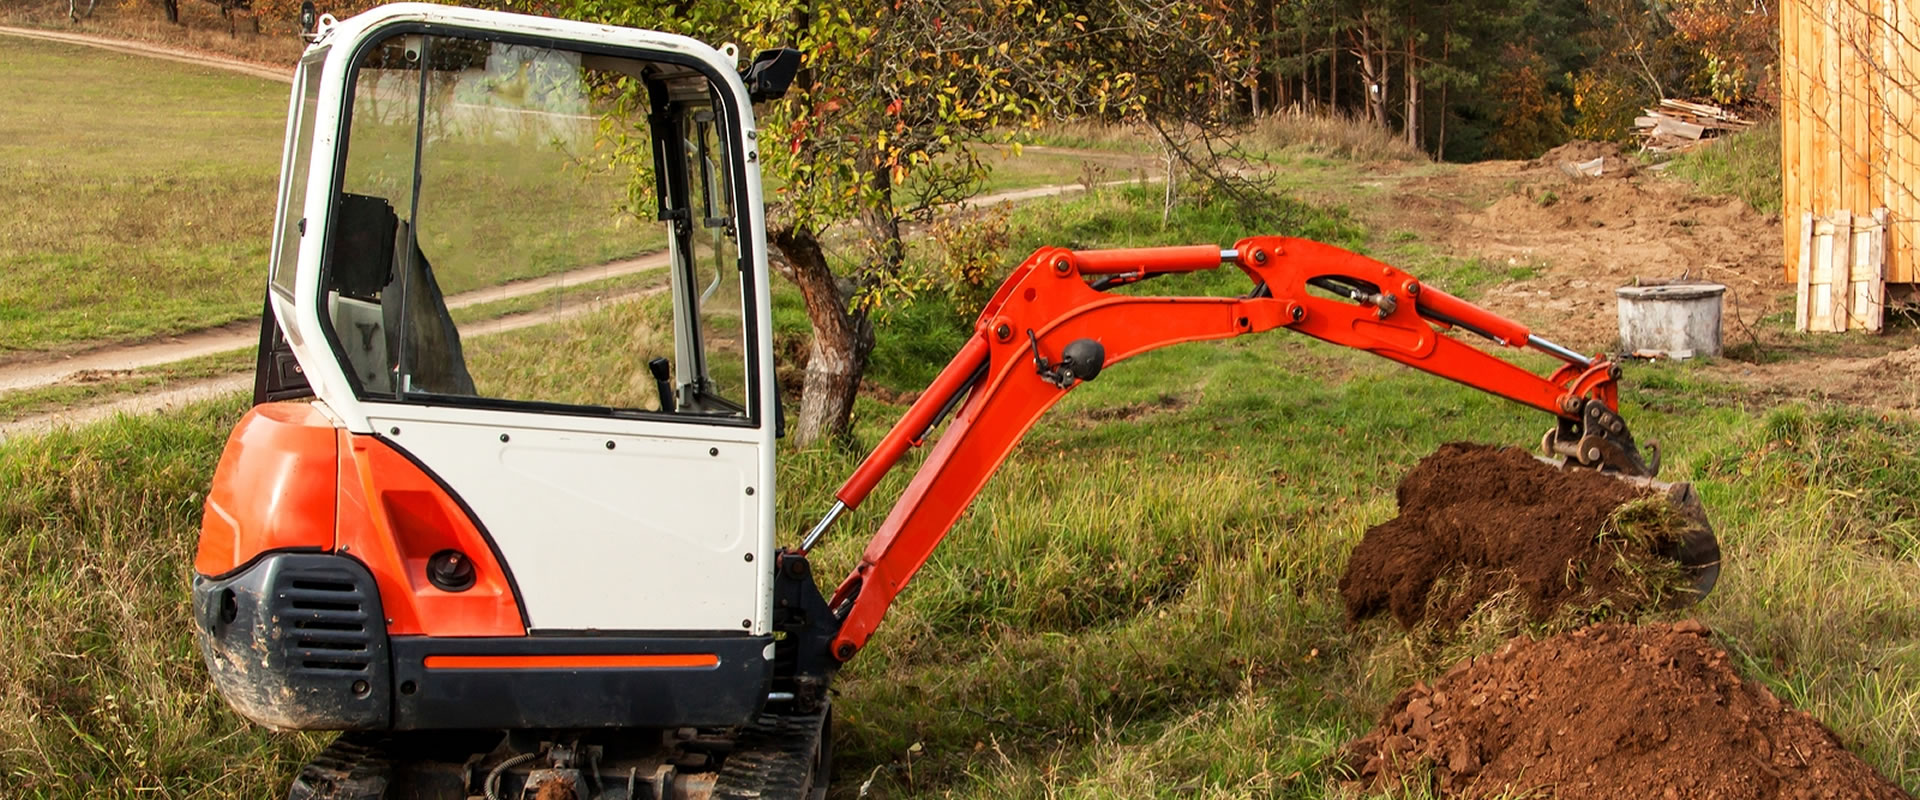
x: 202, y: 29
x: 1338, y: 136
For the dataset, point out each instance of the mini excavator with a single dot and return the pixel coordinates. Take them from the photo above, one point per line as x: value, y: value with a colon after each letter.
x: 573, y: 591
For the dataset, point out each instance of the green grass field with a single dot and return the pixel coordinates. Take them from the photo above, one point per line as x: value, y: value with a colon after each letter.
x: 1141, y: 603
x: 140, y: 213
x: 136, y: 207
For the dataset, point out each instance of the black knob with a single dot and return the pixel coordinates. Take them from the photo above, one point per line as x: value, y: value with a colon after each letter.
x: 1084, y: 358
x: 450, y: 571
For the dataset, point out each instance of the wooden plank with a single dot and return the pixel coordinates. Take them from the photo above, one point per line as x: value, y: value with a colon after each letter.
x: 1824, y: 73
x: 1840, y: 277
x: 1791, y: 86
x: 1672, y: 127
x: 1820, y: 308
x: 1803, y: 300
x: 1806, y: 63
x: 1905, y: 158
x: 1854, y: 102
x: 1876, y: 277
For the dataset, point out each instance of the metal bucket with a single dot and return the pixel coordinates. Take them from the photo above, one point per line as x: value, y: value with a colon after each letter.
x: 1673, y: 320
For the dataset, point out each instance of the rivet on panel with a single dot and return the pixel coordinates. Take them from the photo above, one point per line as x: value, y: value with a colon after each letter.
x: 609, y: 444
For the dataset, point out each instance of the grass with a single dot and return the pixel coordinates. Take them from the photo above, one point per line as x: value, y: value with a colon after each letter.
x: 150, y: 213
x: 1745, y: 165
x: 201, y: 28
x: 1141, y: 604
x: 133, y: 213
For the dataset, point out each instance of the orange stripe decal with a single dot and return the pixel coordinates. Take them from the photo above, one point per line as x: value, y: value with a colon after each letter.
x: 630, y: 661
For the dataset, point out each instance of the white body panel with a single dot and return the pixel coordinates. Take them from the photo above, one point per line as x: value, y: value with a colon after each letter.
x: 666, y: 522
x: 652, y: 535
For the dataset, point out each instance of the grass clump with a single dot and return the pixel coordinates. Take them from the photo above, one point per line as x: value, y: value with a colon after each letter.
x: 106, y: 695
x: 1339, y: 136
x: 1744, y: 165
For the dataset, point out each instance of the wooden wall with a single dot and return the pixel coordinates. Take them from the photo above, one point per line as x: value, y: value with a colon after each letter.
x: 1848, y: 134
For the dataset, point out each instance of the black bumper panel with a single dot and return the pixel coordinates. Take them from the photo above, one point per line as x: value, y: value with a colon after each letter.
x: 730, y: 692
x: 296, y: 641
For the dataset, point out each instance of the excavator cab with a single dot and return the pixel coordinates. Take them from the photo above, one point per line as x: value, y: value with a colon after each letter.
x: 463, y: 529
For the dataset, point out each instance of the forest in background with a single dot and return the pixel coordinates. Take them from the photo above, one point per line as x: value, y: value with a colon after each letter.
x: 1463, y: 80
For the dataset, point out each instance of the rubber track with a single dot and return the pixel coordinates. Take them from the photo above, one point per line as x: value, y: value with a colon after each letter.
x: 773, y: 758
x: 352, y: 768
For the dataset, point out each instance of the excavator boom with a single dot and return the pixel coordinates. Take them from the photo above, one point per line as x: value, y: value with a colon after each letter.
x: 1053, y: 324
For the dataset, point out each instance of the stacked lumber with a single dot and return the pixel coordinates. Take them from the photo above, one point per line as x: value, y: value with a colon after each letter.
x: 1678, y: 125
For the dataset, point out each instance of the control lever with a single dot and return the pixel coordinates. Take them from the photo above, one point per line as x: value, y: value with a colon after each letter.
x: 661, y: 383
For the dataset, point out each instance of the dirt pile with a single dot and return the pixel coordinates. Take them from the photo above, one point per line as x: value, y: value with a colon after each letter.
x: 1606, y: 712
x: 1613, y: 164
x: 1478, y: 522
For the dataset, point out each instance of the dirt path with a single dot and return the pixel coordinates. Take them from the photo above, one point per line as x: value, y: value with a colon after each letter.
x: 154, y: 51
x: 205, y: 389
x: 243, y: 334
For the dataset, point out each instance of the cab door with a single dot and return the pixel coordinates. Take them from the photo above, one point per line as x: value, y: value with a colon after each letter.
x: 491, y: 282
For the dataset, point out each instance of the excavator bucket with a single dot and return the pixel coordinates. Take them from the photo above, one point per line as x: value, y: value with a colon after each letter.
x: 1696, y: 549
x: 1596, y: 436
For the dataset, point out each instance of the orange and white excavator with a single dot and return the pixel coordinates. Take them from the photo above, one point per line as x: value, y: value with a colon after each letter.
x: 574, y: 590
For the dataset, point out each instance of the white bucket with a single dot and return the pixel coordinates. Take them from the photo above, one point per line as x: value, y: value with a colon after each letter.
x: 1675, y: 320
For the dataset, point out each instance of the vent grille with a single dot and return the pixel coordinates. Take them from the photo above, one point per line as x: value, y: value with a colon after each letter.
x: 328, y: 626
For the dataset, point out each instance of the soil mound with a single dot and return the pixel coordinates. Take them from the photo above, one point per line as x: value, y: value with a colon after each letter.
x: 1478, y: 521
x: 1580, y: 151
x: 1605, y: 712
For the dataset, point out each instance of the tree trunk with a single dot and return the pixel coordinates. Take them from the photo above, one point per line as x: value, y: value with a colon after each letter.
x: 1333, y: 76
x: 1371, y: 77
x: 842, y: 340
x: 172, y: 8
x: 1412, y: 81
x: 1446, y: 56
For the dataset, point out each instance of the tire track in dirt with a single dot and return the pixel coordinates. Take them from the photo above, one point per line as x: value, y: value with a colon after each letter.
x: 153, y: 51
x: 194, y: 391
x: 40, y: 372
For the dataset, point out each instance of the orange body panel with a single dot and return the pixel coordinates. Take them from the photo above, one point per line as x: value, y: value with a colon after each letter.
x: 290, y: 480
x: 631, y: 661
x: 393, y: 517
x: 273, y: 490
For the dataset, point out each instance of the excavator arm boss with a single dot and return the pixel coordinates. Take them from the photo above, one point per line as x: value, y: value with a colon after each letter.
x: 1053, y: 325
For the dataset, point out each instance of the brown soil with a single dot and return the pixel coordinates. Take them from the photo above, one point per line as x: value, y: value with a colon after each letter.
x: 1605, y: 712
x: 1575, y: 240
x: 1478, y: 522
x: 1890, y: 381
x: 1613, y: 164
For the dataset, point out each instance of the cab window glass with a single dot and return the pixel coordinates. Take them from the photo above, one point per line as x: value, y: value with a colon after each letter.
x: 713, y: 259
x: 486, y: 251
x: 294, y: 170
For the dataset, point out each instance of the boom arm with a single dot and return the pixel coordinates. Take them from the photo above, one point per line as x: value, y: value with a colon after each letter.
x: 1048, y: 328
